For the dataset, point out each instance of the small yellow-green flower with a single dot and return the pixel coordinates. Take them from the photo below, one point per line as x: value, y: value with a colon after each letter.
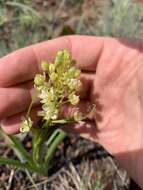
x: 73, y: 99
x: 39, y: 80
x: 26, y: 125
x: 74, y: 84
x: 77, y: 116
x: 51, y: 68
x: 45, y: 66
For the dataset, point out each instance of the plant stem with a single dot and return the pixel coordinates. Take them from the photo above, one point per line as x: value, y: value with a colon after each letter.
x: 58, y: 139
x: 55, y: 133
x: 41, y: 135
x: 37, y: 142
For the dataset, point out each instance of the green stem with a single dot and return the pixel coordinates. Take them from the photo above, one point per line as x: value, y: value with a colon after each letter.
x: 55, y: 133
x: 40, y: 136
x: 58, y: 139
x: 30, y: 107
x: 37, y: 142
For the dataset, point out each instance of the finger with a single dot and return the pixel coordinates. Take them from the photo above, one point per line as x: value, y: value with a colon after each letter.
x: 87, y: 128
x: 67, y: 109
x: 11, y: 125
x: 16, y: 99
x: 87, y: 80
x: 23, y: 64
x: 86, y: 108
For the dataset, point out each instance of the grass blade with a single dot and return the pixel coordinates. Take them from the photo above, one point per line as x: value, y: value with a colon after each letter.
x: 58, y: 139
x: 18, y: 148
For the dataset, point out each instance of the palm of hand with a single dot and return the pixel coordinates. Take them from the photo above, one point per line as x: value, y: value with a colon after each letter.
x: 118, y: 85
x: 118, y: 96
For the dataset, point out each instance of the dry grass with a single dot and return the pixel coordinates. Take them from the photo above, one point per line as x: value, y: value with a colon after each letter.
x: 97, y: 175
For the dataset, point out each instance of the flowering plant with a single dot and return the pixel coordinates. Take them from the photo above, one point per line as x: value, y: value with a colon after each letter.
x: 56, y: 87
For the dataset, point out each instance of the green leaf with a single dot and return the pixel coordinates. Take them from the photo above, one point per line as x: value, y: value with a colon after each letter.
x: 54, y: 145
x: 18, y: 148
x: 18, y: 164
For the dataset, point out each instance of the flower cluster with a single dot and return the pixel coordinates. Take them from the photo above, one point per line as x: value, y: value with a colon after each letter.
x: 56, y: 86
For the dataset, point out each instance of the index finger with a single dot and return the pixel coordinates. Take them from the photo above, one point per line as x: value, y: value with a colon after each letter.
x: 23, y: 64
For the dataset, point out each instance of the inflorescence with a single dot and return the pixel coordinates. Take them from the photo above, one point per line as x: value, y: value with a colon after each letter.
x: 56, y: 86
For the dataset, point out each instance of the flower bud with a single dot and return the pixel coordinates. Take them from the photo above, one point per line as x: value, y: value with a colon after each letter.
x: 45, y: 66
x: 73, y: 99
x: 53, y: 76
x: 58, y: 58
x: 51, y: 68
x: 73, y: 72
x: 74, y: 84
x: 39, y: 80
x: 77, y: 116
x: 26, y: 125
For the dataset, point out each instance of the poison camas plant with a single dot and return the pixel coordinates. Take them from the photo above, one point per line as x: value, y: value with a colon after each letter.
x: 56, y: 86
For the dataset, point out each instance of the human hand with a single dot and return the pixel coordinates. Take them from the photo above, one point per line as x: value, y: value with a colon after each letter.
x: 112, y: 74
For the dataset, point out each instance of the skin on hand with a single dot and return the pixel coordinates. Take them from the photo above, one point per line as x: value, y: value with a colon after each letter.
x: 112, y: 75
